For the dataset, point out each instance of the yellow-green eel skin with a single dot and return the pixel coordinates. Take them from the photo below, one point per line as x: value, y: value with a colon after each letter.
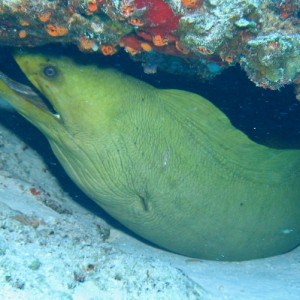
x: 167, y: 164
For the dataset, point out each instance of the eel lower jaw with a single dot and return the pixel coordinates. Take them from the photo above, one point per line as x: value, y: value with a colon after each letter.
x: 30, y: 94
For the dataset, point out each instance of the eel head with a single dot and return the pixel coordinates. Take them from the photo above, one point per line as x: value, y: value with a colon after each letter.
x: 63, y: 101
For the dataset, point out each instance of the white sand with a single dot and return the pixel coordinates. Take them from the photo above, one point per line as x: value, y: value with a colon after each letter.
x: 53, y: 248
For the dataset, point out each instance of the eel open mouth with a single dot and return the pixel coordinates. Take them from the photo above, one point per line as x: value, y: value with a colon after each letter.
x: 29, y: 93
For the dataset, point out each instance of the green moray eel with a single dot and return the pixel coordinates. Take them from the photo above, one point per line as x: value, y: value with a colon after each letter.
x: 165, y: 163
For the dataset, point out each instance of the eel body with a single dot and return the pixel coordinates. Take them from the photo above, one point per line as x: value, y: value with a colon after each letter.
x: 165, y: 163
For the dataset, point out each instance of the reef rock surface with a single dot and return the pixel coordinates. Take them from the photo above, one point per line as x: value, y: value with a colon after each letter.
x: 198, y: 38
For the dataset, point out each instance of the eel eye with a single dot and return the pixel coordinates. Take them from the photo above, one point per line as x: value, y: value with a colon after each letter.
x: 50, y: 72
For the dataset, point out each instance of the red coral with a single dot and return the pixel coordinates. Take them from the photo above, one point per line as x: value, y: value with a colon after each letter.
x: 160, y: 19
x: 287, y: 8
x: 131, y: 41
x: 158, y: 25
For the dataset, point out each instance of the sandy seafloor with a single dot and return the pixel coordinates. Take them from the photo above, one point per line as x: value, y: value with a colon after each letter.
x: 56, y: 244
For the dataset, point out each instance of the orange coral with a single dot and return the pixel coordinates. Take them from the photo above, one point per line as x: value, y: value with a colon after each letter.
x: 204, y: 51
x: 44, y: 17
x: 127, y: 8
x: 160, y: 41
x: 24, y: 23
x: 85, y: 43
x: 191, y: 3
x: 55, y: 30
x: 229, y: 59
x: 146, y: 47
x: 108, y: 49
x: 22, y: 34
x: 136, y: 22
x: 92, y: 5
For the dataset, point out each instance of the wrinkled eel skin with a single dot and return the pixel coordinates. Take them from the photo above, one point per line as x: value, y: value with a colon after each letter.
x: 165, y: 163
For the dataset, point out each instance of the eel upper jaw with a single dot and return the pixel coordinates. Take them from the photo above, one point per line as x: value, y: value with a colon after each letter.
x: 29, y: 94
